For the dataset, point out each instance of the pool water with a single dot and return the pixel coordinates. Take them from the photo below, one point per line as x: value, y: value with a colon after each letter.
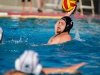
x: 33, y: 34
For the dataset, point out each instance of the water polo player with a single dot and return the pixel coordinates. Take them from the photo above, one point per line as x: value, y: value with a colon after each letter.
x: 62, y: 29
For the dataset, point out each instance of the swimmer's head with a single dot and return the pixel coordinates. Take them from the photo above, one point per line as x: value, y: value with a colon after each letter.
x: 28, y: 63
x: 69, y: 23
x: 64, y: 25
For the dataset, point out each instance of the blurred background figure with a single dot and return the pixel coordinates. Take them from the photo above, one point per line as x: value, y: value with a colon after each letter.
x: 1, y: 32
x: 29, y: 4
x: 40, y: 4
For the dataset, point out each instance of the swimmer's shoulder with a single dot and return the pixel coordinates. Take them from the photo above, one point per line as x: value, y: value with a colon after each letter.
x: 65, y: 38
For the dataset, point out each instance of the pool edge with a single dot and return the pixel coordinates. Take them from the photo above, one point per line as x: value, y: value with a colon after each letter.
x: 43, y: 15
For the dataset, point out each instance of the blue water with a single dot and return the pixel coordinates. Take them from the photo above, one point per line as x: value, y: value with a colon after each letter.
x: 33, y: 34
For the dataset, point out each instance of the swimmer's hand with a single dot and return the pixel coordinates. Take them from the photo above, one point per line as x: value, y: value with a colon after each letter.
x: 71, y: 12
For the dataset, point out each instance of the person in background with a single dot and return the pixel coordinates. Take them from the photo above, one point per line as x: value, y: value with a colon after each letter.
x: 1, y: 34
x: 40, y: 5
x: 29, y: 63
x: 29, y: 4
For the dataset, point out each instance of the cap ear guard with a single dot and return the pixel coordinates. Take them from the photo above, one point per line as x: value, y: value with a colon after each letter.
x: 37, y: 66
x: 17, y: 64
x: 69, y: 26
x: 38, y: 69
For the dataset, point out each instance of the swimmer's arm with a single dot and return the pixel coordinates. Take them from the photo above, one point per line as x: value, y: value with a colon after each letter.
x: 70, y: 70
x: 71, y: 12
x: 58, y: 71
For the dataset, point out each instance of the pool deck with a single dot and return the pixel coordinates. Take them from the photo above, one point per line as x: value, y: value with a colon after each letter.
x: 43, y: 15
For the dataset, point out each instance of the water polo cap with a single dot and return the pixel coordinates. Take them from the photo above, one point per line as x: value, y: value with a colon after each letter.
x: 28, y: 62
x: 69, y: 23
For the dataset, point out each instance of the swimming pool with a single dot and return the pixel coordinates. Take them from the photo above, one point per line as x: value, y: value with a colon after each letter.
x: 32, y: 33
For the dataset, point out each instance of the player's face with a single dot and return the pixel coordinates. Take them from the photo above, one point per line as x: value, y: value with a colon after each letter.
x: 60, y: 26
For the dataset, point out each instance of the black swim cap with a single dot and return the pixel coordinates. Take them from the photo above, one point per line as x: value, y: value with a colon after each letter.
x: 69, y: 23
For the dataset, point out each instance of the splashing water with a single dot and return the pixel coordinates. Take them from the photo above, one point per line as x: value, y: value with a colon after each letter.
x: 77, y: 36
